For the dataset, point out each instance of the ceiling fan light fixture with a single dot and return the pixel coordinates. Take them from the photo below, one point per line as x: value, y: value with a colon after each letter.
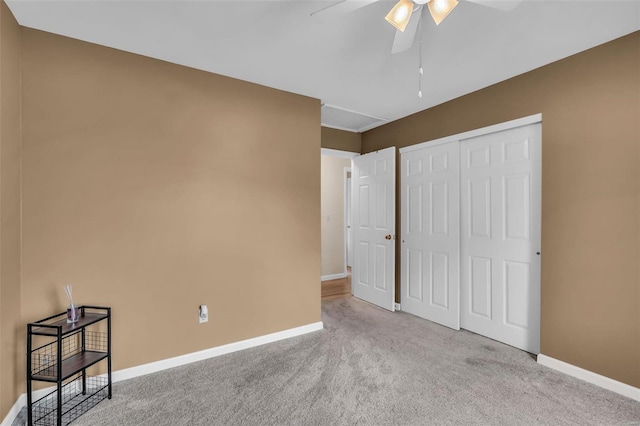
x: 441, y: 8
x: 400, y: 14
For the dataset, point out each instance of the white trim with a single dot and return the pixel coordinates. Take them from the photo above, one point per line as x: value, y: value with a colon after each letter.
x: 338, y: 128
x: 333, y: 277
x: 372, y: 126
x: 590, y: 377
x: 524, y: 121
x: 154, y: 367
x: 381, y: 121
x: 354, y: 112
x: 15, y: 410
x: 338, y: 153
x: 347, y: 170
x: 357, y: 131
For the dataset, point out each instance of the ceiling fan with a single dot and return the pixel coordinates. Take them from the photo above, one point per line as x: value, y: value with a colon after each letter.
x: 400, y: 16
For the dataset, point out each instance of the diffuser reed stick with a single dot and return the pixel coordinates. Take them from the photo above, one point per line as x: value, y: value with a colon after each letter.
x: 72, y: 310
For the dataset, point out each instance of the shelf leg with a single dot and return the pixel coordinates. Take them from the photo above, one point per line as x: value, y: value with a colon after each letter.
x: 59, y: 376
x: 109, y: 351
x: 29, y: 367
x: 84, y: 372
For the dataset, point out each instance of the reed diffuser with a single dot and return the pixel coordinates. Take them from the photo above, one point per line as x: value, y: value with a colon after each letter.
x: 73, y: 313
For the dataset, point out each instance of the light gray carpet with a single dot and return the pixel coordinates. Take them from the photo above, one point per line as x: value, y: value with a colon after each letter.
x: 368, y: 367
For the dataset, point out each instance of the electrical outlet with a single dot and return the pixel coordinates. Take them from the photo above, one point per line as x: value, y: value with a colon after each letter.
x: 203, y: 314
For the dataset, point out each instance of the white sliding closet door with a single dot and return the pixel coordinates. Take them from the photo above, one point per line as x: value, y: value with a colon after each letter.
x: 430, y: 223
x: 500, y: 205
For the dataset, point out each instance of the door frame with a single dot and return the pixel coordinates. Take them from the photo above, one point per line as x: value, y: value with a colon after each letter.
x: 347, y: 210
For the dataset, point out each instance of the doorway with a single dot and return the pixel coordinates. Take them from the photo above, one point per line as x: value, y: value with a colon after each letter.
x: 335, y: 218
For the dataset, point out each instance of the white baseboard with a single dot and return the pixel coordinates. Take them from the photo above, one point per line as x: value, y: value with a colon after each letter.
x: 590, y: 377
x: 153, y: 367
x: 15, y: 410
x: 333, y: 277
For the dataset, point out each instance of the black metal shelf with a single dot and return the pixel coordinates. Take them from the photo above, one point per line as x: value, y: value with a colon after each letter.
x: 67, y: 352
x: 70, y: 366
x: 61, y: 327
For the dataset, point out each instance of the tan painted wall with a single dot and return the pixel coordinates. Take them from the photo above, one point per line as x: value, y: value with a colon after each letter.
x: 590, y: 194
x: 10, y: 324
x: 332, y: 218
x: 154, y: 188
x: 341, y: 140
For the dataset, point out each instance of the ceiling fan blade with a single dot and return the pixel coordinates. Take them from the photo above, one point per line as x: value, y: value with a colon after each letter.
x: 340, y: 7
x: 505, y: 5
x: 404, y: 40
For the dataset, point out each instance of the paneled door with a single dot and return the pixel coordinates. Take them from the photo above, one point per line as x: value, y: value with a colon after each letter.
x: 430, y: 233
x: 500, y: 241
x: 373, y: 205
x: 348, y: 221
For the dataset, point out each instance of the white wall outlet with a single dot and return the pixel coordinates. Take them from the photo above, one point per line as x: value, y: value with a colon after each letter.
x: 203, y: 314
x: 398, y: 307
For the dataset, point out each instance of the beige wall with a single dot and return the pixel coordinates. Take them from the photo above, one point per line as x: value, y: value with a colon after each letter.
x: 590, y: 194
x: 10, y: 324
x: 341, y: 140
x: 154, y: 188
x: 144, y: 183
x: 332, y: 217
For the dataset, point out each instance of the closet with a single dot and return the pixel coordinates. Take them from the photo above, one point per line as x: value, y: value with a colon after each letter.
x: 470, y: 231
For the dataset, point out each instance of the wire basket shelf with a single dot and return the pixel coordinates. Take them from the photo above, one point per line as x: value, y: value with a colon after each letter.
x: 75, y: 400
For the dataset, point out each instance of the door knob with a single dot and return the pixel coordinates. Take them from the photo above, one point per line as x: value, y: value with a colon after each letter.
x: 387, y: 237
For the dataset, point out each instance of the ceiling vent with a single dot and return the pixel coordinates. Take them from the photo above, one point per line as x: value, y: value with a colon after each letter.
x: 344, y: 119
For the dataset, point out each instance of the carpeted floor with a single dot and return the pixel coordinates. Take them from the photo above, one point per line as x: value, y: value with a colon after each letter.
x: 368, y: 367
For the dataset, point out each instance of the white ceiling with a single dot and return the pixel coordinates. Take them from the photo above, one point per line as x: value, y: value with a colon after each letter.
x: 343, y: 60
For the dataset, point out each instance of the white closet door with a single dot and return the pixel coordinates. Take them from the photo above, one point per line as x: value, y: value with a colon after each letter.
x: 374, y: 227
x: 430, y: 233
x: 500, y: 244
